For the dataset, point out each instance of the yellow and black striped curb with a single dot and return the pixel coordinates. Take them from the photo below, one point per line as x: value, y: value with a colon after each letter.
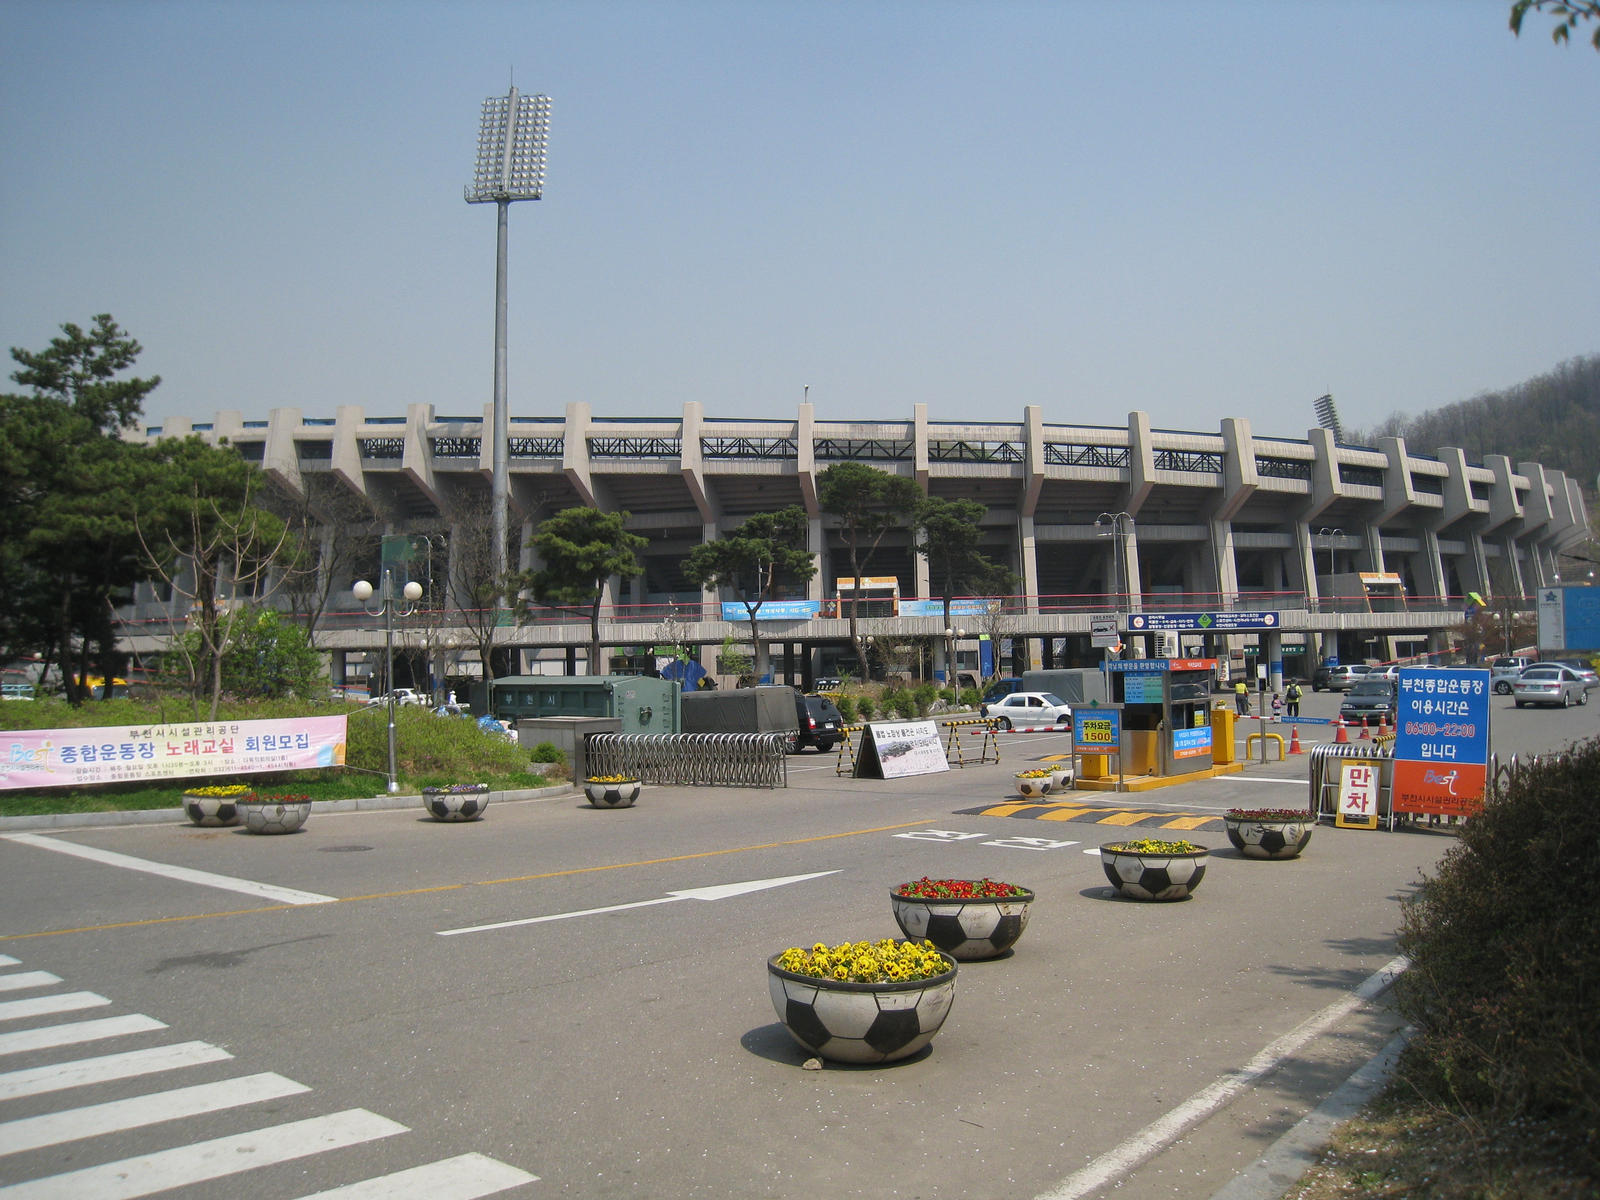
x: 1030, y: 810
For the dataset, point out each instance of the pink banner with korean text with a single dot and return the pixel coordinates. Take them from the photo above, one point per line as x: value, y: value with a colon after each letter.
x: 39, y: 758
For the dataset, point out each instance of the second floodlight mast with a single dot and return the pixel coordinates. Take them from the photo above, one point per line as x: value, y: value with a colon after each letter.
x: 513, y: 134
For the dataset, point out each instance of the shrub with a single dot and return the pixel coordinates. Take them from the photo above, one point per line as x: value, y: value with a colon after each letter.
x: 547, y: 752
x: 1504, y: 943
x: 970, y: 698
x: 922, y: 698
x: 894, y: 702
x: 847, y: 708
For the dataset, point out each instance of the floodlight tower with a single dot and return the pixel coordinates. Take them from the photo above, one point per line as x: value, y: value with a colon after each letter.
x: 512, y: 137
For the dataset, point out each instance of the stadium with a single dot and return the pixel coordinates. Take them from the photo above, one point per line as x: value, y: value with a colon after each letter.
x: 1313, y: 546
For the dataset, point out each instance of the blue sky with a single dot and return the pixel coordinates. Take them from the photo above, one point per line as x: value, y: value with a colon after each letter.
x: 1205, y: 209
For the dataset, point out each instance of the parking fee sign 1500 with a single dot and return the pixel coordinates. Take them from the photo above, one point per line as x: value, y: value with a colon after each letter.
x: 1441, y: 746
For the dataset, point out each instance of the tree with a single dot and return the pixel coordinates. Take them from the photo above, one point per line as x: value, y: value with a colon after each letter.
x: 754, y: 562
x: 1567, y: 13
x: 946, y: 533
x: 581, y: 549
x: 868, y: 504
x: 207, y: 530
x: 68, y: 489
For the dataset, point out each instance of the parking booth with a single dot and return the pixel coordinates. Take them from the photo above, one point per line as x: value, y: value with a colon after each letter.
x: 1166, y: 713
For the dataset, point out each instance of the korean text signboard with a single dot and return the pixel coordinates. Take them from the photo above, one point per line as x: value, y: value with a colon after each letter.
x: 1358, y: 795
x: 1441, y: 747
x: 121, y: 754
x: 1096, y: 730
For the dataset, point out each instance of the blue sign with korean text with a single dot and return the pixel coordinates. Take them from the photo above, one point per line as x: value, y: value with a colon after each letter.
x: 1209, y: 622
x: 1097, y: 730
x: 1442, y: 716
x: 773, y: 610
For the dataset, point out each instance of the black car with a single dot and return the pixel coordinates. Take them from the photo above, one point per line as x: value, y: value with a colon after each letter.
x: 1370, y: 700
x: 820, y: 722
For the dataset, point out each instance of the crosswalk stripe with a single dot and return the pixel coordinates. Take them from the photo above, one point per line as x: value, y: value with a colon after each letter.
x: 27, y: 979
x: 7, y: 961
x: 181, y: 1166
x: 79, y: 1031
x: 34, y: 1081
x: 464, y: 1177
x: 45, y: 1006
x: 249, y: 887
x: 114, y: 1116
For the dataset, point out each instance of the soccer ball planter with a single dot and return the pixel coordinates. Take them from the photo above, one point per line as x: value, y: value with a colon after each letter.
x: 214, y: 807
x: 274, y: 814
x: 1034, y: 784
x: 612, y: 791
x: 1150, y: 869
x: 1060, y: 776
x: 1269, y: 832
x: 852, y: 1021
x: 457, y: 802
x: 967, y: 919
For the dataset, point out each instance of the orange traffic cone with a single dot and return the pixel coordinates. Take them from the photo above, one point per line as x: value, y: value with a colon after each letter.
x: 1294, y: 740
x: 1341, y: 736
x: 1365, y: 736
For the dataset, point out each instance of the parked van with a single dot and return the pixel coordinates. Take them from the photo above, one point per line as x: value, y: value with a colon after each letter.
x: 1504, y: 671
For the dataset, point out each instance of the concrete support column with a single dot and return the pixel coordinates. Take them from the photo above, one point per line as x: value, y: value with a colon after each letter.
x: 1272, y: 651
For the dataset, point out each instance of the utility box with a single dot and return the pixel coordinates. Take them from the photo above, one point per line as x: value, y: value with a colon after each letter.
x: 640, y: 703
x: 766, y: 709
x: 570, y: 735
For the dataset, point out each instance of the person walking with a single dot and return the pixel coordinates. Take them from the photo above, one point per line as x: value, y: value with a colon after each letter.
x: 1277, y: 705
x: 1292, y: 696
x: 1241, y: 698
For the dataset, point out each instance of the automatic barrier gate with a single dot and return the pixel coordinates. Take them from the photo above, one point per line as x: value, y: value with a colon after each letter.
x: 731, y: 759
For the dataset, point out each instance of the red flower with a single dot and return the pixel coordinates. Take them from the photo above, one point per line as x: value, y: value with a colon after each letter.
x: 959, y: 889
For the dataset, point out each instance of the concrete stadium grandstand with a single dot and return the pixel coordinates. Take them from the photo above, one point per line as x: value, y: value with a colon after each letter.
x: 1330, y: 550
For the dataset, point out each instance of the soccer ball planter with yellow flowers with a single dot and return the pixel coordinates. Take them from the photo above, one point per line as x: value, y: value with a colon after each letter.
x: 215, y: 806
x: 862, y: 1002
x: 1153, y: 869
x: 274, y: 814
x: 1035, y: 784
x: 612, y: 791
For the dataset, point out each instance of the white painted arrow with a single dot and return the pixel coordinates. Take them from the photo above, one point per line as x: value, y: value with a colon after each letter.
x: 721, y: 891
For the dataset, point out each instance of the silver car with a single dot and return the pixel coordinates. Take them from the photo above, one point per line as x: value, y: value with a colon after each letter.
x: 1549, y: 683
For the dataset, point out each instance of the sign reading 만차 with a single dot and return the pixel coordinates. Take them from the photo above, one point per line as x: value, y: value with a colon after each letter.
x: 123, y: 754
x: 1358, y: 796
x: 1441, y: 747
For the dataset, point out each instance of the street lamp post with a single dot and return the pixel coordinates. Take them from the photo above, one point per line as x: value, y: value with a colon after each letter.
x: 1116, y: 525
x: 386, y: 609
x: 951, y: 637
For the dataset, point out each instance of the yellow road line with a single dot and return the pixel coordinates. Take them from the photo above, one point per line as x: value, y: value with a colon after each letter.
x: 450, y: 887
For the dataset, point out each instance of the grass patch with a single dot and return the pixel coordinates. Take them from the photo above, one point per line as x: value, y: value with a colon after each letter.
x: 430, y: 751
x: 1403, y: 1146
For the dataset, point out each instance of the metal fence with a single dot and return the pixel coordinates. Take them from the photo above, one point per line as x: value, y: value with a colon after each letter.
x: 730, y: 759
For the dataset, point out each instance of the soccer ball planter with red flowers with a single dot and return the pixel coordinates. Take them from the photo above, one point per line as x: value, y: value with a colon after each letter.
x: 1269, y: 832
x: 968, y: 919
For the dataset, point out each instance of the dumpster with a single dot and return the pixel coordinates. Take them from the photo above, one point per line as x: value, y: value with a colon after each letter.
x: 640, y: 703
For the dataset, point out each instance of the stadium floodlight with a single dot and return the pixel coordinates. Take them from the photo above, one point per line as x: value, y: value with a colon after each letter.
x: 1328, y: 416
x: 512, y: 137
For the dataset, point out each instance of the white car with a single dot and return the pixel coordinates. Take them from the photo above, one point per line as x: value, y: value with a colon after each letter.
x: 1024, y: 710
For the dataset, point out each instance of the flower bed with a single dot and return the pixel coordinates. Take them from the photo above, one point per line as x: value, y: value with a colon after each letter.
x: 1037, y: 782
x: 612, y: 791
x: 960, y: 889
